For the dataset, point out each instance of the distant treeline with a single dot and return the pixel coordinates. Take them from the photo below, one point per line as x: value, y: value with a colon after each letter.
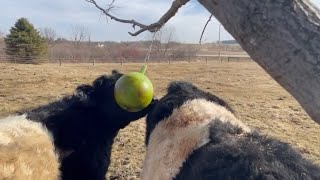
x: 62, y: 48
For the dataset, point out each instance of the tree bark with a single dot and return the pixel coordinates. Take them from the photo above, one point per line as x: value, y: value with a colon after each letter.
x: 283, y: 37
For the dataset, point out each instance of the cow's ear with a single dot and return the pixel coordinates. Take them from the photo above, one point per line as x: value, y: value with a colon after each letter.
x: 177, y: 86
x: 115, y: 72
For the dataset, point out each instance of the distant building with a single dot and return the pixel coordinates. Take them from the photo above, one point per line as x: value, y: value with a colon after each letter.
x: 100, y: 45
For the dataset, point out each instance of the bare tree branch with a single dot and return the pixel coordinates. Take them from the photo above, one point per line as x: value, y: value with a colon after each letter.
x: 1, y: 34
x: 106, y: 12
x: 169, y: 39
x: 49, y: 34
x: 204, y: 28
x: 176, y: 5
x: 79, y: 34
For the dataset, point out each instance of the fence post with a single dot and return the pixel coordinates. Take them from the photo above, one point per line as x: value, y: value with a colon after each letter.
x: 60, y: 61
x: 93, y: 62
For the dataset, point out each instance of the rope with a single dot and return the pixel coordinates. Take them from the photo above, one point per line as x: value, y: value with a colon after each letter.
x: 150, y: 48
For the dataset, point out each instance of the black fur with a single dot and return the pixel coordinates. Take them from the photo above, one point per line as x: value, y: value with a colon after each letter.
x: 86, y: 124
x: 231, y: 153
x: 178, y: 93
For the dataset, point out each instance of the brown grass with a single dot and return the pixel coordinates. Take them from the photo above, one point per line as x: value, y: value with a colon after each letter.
x: 258, y: 100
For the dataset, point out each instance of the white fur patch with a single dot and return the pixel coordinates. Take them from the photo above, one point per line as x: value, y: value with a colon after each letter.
x: 177, y: 136
x: 26, y: 150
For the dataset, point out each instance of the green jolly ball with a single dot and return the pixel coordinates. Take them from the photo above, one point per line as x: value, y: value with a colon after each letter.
x: 133, y: 91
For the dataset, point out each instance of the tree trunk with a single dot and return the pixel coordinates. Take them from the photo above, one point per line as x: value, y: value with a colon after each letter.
x: 283, y: 37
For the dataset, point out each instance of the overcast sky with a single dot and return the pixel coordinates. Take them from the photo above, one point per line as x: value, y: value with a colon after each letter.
x: 61, y: 15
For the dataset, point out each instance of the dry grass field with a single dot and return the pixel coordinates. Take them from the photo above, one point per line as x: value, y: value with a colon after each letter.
x: 258, y: 100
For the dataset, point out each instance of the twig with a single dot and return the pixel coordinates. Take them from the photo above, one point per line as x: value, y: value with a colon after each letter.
x: 106, y: 12
x: 176, y: 5
x: 204, y: 28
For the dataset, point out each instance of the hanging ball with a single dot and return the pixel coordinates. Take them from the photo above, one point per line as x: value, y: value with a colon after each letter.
x: 133, y: 91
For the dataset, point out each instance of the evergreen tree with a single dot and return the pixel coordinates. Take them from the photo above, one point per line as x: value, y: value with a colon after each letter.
x: 25, y: 41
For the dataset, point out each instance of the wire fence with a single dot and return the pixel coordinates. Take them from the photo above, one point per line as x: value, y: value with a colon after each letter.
x: 123, y: 60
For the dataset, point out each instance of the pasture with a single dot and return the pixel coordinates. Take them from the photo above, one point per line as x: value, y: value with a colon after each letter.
x: 257, y: 99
